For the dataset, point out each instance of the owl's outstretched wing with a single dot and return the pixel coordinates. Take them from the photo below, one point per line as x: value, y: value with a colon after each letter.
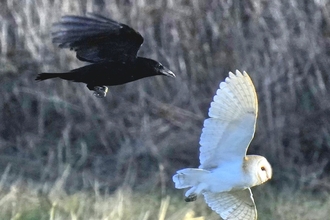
x: 229, y: 130
x: 233, y: 205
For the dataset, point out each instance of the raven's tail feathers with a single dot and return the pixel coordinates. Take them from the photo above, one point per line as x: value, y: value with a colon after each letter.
x: 44, y: 76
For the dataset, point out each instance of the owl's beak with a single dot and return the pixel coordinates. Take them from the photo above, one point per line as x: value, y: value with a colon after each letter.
x: 269, y: 173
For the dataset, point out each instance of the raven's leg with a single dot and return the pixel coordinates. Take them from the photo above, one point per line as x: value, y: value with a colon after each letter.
x: 100, y: 91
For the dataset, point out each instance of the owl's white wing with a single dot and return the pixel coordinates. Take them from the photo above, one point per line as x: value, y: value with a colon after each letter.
x: 229, y: 130
x: 233, y: 205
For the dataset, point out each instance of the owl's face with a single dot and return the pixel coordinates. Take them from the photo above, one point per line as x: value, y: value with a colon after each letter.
x: 259, y: 169
x: 264, y: 170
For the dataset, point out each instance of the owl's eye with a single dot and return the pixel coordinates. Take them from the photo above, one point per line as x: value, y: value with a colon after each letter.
x: 263, y: 168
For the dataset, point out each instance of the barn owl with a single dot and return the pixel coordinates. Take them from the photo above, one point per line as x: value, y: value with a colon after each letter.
x: 226, y: 173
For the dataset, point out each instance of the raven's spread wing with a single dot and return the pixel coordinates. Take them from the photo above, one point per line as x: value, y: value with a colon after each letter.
x: 97, y: 39
x: 233, y: 205
x: 229, y: 130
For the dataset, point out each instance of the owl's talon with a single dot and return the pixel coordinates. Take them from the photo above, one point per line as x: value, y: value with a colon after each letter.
x: 191, y: 198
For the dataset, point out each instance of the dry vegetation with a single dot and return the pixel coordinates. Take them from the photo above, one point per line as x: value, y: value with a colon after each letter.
x: 27, y: 202
x: 142, y: 132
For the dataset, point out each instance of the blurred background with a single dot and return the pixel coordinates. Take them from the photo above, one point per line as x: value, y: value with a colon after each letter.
x: 57, y: 140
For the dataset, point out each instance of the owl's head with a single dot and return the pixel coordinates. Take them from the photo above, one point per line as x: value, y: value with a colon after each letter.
x: 258, y: 168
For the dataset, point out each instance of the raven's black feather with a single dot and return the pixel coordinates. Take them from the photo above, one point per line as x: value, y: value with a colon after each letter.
x: 110, y: 46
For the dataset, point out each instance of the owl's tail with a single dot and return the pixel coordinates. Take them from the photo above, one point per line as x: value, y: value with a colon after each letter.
x: 193, y: 178
x: 188, y: 177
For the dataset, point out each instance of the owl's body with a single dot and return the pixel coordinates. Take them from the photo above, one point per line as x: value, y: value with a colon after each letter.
x: 226, y: 173
x: 224, y: 178
x: 229, y: 176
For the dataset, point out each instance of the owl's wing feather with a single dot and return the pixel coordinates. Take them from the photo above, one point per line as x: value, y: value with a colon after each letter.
x: 229, y: 130
x: 233, y: 205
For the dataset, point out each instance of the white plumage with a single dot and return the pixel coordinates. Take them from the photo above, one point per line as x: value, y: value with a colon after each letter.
x: 235, y: 205
x: 226, y: 173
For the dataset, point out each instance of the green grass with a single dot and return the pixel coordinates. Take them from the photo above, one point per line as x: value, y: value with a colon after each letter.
x: 26, y: 202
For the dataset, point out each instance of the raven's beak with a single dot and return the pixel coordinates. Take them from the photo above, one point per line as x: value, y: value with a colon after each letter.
x: 167, y: 72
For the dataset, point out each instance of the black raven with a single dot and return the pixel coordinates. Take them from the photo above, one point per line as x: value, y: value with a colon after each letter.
x: 110, y: 46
